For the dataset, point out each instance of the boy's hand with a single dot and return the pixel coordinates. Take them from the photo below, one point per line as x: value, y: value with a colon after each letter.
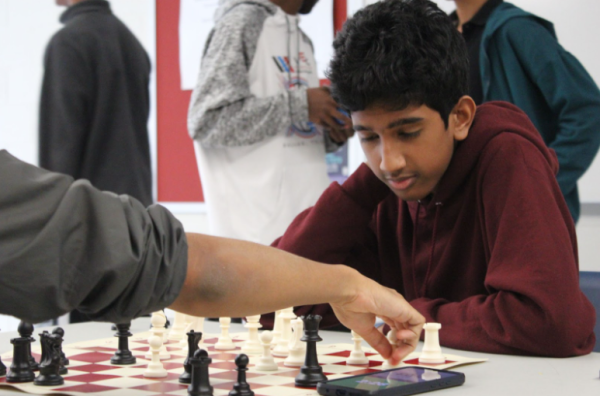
x: 368, y: 300
x: 323, y: 111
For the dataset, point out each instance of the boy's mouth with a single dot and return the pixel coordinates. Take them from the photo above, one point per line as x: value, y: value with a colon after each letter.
x: 401, y: 183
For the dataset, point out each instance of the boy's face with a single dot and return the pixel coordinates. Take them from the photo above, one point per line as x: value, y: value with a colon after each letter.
x: 409, y: 149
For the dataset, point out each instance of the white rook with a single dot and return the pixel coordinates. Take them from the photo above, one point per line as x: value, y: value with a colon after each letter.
x: 432, y: 352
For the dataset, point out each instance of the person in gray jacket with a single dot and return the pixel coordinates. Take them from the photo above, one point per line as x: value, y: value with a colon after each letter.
x: 260, y: 122
x: 66, y: 245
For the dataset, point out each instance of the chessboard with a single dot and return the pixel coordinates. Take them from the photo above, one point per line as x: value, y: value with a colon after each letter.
x: 90, y: 370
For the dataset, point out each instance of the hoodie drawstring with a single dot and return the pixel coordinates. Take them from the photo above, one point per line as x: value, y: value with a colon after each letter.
x: 438, y: 206
x: 289, y: 57
x: 414, y: 249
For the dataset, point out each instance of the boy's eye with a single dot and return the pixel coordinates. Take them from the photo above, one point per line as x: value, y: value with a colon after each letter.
x: 408, y: 135
x: 368, y: 138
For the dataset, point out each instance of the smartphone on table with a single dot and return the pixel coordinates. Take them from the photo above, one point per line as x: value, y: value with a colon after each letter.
x: 402, y: 381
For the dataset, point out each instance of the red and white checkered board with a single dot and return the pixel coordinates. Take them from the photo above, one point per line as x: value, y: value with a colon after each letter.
x: 90, y: 370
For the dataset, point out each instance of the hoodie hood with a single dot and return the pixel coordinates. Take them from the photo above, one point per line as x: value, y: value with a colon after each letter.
x: 492, y: 119
x: 226, y: 5
x: 506, y: 12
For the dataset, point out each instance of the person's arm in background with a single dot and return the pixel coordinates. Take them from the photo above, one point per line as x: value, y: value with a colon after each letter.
x: 66, y: 245
x: 223, y: 112
x: 65, y: 105
x: 569, y: 91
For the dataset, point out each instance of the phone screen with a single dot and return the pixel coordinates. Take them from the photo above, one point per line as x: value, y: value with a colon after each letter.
x: 392, y: 378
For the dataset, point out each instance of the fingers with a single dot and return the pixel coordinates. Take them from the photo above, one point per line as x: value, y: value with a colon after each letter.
x: 378, y: 341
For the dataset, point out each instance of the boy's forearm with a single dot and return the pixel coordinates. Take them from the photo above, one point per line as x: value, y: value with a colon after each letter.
x: 228, y: 277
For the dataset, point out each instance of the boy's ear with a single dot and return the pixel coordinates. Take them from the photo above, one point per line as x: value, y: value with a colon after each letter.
x: 461, y: 117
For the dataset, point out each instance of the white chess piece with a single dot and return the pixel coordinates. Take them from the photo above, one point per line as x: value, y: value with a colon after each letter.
x: 432, y: 352
x: 252, y: 345
x: 391, y: 336
x: 296, y: 347
x: 266, y: 361
x: 158, y: 321
x: 195, y: 323
x: 276, y: 328
x: 165, y: 330
x: 224, y: 343
x: 282, y: 349
x: 178, y: 330
x: 357, y: 356
x: 155, y: 368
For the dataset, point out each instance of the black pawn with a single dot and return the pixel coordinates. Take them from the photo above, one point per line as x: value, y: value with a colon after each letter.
x: 123, y: 355
x: 20, y: 370
x: 200, y: 385
x: 63, y: 359
x: 241, y: 387
x: 311, y: 372
x: 50, y: 363
x: 193, y: 340
x: 26, y: 330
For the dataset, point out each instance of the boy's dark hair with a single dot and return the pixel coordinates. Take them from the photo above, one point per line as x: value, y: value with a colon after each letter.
x: 397, y: 53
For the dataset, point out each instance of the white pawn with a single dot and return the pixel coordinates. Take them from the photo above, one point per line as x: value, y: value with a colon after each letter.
x: 155, y: 368
x: 357, y: 356
x: 432, y: 352
x: 296, y: 347
x: 282, y: 349
x: 391, y: 336
x: 165, y: 330
x: 266, y: 361
x: 158, y: 328
x: 177, y: 331
x: 224, y: 343
x: 276, y: 328
x: 252, y: 346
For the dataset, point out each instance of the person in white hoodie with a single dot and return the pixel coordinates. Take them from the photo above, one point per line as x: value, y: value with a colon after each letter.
x: 260, y: 122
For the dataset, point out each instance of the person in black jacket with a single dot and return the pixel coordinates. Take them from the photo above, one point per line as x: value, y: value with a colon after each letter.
x: 95, y: 102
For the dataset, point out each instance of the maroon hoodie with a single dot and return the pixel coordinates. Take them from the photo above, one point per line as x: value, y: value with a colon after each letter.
x: 491, y: 255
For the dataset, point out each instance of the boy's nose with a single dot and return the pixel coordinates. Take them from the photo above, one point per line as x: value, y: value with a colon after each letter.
x: 392, y: 159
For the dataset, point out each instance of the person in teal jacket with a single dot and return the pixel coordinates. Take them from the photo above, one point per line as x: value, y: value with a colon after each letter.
x: 515, y: 56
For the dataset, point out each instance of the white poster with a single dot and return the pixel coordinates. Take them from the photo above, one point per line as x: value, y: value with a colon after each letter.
x: 195, y: 24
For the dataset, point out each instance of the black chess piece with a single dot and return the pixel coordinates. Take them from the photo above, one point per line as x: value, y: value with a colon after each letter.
x: 200, y: 385
x: 50, y: 363
x: 63, y: 359
x: 20, y: 369
x: 311, y: 372
x: 26, y: 330
x: 193, y: 340
x: 123, y: 355
x: 241, y: 387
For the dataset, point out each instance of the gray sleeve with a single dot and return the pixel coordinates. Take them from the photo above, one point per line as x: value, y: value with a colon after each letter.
x: 66, y: 245
x: 223, y: 112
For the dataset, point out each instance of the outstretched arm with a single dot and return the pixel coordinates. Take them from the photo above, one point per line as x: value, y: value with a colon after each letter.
x: 228, y: 277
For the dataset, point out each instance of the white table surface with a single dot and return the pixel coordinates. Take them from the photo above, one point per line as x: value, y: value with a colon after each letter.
x: 502, y: 375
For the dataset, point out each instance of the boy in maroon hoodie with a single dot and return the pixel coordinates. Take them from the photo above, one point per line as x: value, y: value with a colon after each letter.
x: 458, y: 207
